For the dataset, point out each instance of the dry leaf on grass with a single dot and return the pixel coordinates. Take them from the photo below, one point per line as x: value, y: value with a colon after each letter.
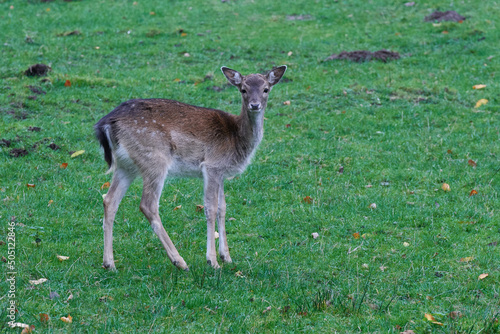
x: 315, y: 235
x: 373, y: 206
x: 308, y: 199
x: 68, y: 319
x: 472, y: 163
x: 431, y: 318
x: 105, y: 185
x: 266, y: 310
x: 216, y: 235
x: 64, y: 165
x: 177, y: 207
x: 480, y: 103
x: 446, y: 187
x: 472, y: 193
x: 62, y: 258
x: 483, y: 276
x: 467, y: 259
x: 356, y: 235
x: 479, y: 86
x: 38, y: 281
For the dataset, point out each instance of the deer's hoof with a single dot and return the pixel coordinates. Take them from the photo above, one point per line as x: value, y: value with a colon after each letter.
x: 214, y: 264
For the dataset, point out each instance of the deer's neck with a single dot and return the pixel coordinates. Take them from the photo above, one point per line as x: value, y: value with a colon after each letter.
x: 251, y: 130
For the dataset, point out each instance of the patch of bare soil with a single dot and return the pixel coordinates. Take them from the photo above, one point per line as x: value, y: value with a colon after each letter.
x: 5, y: 142
x: 34, y: 129
x: 18, y: 152
x: 449, y: 15
x: 363, y: 55
x: 37, y: 90
x: 53, y: 146
x: 37, y: 70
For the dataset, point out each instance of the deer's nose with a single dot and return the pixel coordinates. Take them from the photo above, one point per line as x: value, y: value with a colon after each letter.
x: 255, y: 106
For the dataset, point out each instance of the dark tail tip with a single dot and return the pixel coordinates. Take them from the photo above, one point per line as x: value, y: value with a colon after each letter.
x: 100, y: 133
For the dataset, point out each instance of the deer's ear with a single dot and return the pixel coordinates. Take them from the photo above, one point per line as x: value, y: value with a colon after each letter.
x: 274, y: 76
x: 234, y: 77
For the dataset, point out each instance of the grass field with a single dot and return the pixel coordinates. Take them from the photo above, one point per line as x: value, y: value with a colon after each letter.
x: 353, y: 135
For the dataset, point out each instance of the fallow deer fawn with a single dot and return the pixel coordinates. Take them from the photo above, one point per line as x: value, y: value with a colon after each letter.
x: 158, y: 138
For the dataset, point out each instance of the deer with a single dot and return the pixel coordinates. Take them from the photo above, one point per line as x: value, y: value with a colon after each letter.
x: 160, y: 138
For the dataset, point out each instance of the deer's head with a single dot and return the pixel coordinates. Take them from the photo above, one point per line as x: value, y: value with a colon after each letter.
x: 254, y: 88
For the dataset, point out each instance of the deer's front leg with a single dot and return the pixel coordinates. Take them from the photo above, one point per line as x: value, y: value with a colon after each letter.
x: 221, y: 222
x: 212, y: 181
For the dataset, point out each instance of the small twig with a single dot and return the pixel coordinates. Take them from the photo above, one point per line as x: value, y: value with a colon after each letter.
x: 355, y: 249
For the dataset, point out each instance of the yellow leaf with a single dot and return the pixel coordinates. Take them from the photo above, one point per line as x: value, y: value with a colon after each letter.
x: 77, y: 153
x: 356, y: 235
x: 446, y: 187
x: 467, y: 259
x: 68, y: 319
x: 429, y: 317
x: 483, y: 276
x: 177, y: 207
x: 479, y: 86
x: 62, y: 258
x: 480, y: 103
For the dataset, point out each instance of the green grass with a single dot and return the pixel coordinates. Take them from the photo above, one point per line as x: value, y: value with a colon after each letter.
x: 404, y: 127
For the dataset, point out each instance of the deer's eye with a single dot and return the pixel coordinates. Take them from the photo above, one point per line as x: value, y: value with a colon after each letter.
x: 243, y: 91
x: 266, y: 90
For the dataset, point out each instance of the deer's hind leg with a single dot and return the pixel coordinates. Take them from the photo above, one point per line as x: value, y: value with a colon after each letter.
x: 119, y: 184
x: 153, y: 186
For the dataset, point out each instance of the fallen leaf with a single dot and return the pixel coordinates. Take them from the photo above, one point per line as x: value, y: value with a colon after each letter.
x: 68, y: 319
x: 479, y: 86
x: 184, y: 34
x: 373, y: 206
x: 356, y: 235
x: 266, y: 310
x: 454, y: 314
x: 480, y: 103
x: 38, y: 281
x: 467, y: 259
x: 50, y: 203
x: 187, y: 55
x: 67, y: 83
x: 290, y: 53
x: 70, y: 297
x: 365, y: 266
x: 472, y: 163
x: 152, y: 13
x: 238, y: 274
x: 30, y: 185
x: 216, y: 235
x: 308, y: 199
x: 177, y: 207
x: 105, y: 185
x: 28, y: 329
x: 288, y: 125
x: 382, y: 268
x: 287, y: 103
x: 64, y: 165
x: 472, y: 193
x: 62, y: 258
x: 431, y: 318
x: 406, y: 244
x: 315, y: 235
x: 408, y: 331
x: 446, y: 187
x: 77, y: 153
x: 44, y: 317
x: 449, y: 151
x: 483, y: 276
x: 199, y: 208
x: 445, y: 32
